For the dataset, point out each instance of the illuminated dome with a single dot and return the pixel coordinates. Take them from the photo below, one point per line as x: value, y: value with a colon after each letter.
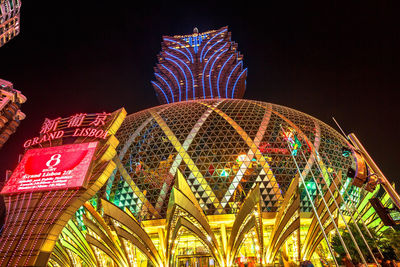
x: 223, y: 147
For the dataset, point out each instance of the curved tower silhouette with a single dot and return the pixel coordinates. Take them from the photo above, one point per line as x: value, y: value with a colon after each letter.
x: 199, y: 66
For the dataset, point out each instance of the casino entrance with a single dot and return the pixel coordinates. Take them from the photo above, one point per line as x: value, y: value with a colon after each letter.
x: 195, y: 261
x: 191, y: 252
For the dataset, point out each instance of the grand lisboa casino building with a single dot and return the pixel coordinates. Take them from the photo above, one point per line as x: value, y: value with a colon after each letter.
x: 205, y: 179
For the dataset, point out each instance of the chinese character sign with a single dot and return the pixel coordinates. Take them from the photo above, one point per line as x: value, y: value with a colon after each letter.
x: 52, y: 168
x: 49, y: 125
x: 76, y: 120
x: 80, y: 125
x: 100, y: 119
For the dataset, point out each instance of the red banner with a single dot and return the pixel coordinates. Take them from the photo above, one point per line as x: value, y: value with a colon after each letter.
x: 51, y: 168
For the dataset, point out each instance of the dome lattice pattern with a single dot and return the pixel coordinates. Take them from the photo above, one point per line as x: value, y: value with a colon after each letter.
x: 223, y: 148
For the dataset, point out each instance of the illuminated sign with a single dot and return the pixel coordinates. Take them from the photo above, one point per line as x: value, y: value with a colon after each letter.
x: 51, y: 168
x: 265, y: 148
x: 78, y: 125
x: 292, y: 139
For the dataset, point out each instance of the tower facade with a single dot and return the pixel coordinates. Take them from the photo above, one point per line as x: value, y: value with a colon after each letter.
x: 10, y: 113
x: 9, y: 20
x: 199, y: 66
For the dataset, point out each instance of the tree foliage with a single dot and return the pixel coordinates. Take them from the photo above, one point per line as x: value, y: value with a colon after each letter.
x: 388, y: 242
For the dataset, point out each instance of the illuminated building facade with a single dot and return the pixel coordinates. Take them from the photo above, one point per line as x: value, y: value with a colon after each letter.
x: 199, y: 66
x: 10, y: 113
x: 9, y: 20
x: 211, y: 181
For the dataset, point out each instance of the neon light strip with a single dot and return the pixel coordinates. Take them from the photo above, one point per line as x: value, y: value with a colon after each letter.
x: 195, y: 48
x: 186, y: 157
x: 219, y: 74
x: 180, y: 60
x: 129, y: 142
x: 21, y: 221
x: 184, y: 74
x: 188, y: 141
x: 134, y: 187
x: 201, y: 54
x: 229, y: 77
x: 170, y: 89
x: 34, y: 226
x: 212, y: 67
x: 249, y: 156
x: 254, y: 150
x: 204, y: 70
x: 4, y: 241
x: 179, y: 86
x: 167, y: 39
x: 212, y: 48
x: 41, y: 228
x: 177, y: 50
x: 234, y: 86
x: 166, y: 98
x: 8, y: 218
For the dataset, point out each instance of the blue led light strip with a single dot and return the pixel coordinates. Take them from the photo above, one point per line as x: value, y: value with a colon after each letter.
x: 166, y: 98
x: 184, y: 74
x: 167, y: 39
x: 205, y: 67
x: 170, y: 89
x: 195, y: 48
x: 217, y: 42
x: 229, y: 77
x: 234, y: 86
x: 177, y: 50
x: 180, y: 60
x: 219, y: 74
x: 177, y: 82
x: 211, y: 68
x: 194, y: 41
x: 201, y: 54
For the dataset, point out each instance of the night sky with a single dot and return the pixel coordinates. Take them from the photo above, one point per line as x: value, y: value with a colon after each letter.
x: 324, y: 58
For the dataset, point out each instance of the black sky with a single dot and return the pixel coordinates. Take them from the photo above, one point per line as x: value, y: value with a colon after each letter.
x: 325, y: 58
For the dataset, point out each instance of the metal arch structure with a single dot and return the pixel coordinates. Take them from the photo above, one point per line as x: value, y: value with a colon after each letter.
x: 128, y: 228
x: 98, y: 236
x: 184, y: 211
x: 249, y: 217
x: 287, y: 221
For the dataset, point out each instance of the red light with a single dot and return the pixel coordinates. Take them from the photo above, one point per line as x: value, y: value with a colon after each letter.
x: 51, y: 168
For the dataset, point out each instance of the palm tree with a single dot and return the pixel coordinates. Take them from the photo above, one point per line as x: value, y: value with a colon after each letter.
x: 389, y: 243
x: 372, y: 242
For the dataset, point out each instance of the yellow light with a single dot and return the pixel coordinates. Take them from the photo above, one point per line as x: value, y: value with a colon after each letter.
x: 241, y: 157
